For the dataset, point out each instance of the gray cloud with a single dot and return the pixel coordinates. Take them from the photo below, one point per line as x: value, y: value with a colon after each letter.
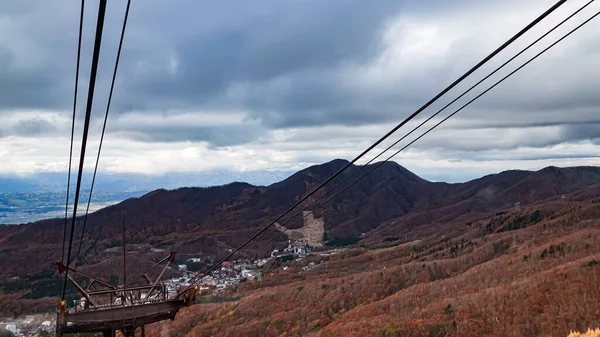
x: 582, y: 131
x: 512, y: 136
x: 188, y: 64
x: 221, y: 136
x: 34, y: 126
x: 289, y: 54
x: 480, y: 156
x: 24, y: 87
x: 297, y: 42
x: 301, y: 66
x: 28, y: 126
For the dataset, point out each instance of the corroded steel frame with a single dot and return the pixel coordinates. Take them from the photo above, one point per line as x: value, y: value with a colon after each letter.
x: 131, y: 313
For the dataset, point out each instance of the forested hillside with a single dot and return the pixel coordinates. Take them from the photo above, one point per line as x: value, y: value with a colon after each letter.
x: 528, y: 273
x: 388, y: 208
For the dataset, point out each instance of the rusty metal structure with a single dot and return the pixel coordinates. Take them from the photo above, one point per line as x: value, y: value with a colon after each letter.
x: 107, y: 308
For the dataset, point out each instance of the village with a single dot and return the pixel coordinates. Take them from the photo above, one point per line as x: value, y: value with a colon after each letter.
x: 234, y: 272
x: 229, y: 274
x: 29, y: 326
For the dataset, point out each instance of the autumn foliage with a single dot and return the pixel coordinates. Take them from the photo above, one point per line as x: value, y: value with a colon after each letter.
x: 539, y: 279
x: 589, y: 333
x: 436, y: 259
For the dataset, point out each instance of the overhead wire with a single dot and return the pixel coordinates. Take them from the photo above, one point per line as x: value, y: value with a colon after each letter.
x: 467, y: 104
x: 259, y: 243
x: 86, y: 125
x: 455, y: 112
x: 62, y: 259
x: 112, y: 86
x: 283, y: 224
x: 406, y: 120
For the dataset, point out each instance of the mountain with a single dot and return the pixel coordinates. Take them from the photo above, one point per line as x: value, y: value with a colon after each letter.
x: 461, y: 261
x: 531, y: 272
x: 41, y: 195
x: 390, y: 206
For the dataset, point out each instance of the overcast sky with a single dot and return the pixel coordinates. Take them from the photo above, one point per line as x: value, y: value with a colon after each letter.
x: 284, y: 84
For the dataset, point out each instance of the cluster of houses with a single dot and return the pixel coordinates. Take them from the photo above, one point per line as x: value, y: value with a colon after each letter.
x: 230, y: 273
x: 29, y: 326
x: 237, y: 271
x: 296, y: 250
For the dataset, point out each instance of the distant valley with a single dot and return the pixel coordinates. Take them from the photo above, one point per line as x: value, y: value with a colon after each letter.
x: 135, y: 182
x: 20, y: 208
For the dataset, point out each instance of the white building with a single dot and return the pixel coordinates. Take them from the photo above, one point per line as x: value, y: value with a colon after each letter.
x: 82, y: 302
x: 249, y: 274
x: 12, y: 328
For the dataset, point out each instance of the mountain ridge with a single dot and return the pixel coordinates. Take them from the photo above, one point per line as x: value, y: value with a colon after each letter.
x: 390, y: 202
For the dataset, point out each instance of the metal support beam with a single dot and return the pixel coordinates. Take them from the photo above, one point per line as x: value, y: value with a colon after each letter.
x: 82, y: 291
x: 145, y: 276
x: 120, y: 318
x: 132, y: 312
x: 171, y: 256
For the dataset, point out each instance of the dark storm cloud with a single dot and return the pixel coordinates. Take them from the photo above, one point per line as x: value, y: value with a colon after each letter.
x: 509, y: 137
x: 29, y: 127
x: 22, y: 87
x: 217, y: 136
x: 279, y: 62
x: 286, y: 41
x: 187, y: 56
x: 33, y: 127
x: 544, y: 87
x: 582, y: 131
x: 483, y: 157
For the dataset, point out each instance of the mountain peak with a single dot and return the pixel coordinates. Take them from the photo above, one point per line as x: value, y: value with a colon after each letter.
x: 337, y: 164
x: 394, y: 169
x: 323, y: 171
x: 387, y: 168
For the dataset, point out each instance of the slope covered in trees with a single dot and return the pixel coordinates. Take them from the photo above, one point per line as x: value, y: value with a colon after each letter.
x: 391, y: 206
x: 532, y: 273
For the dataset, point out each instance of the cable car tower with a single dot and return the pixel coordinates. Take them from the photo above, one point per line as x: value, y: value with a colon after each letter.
x: 106, y: 308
